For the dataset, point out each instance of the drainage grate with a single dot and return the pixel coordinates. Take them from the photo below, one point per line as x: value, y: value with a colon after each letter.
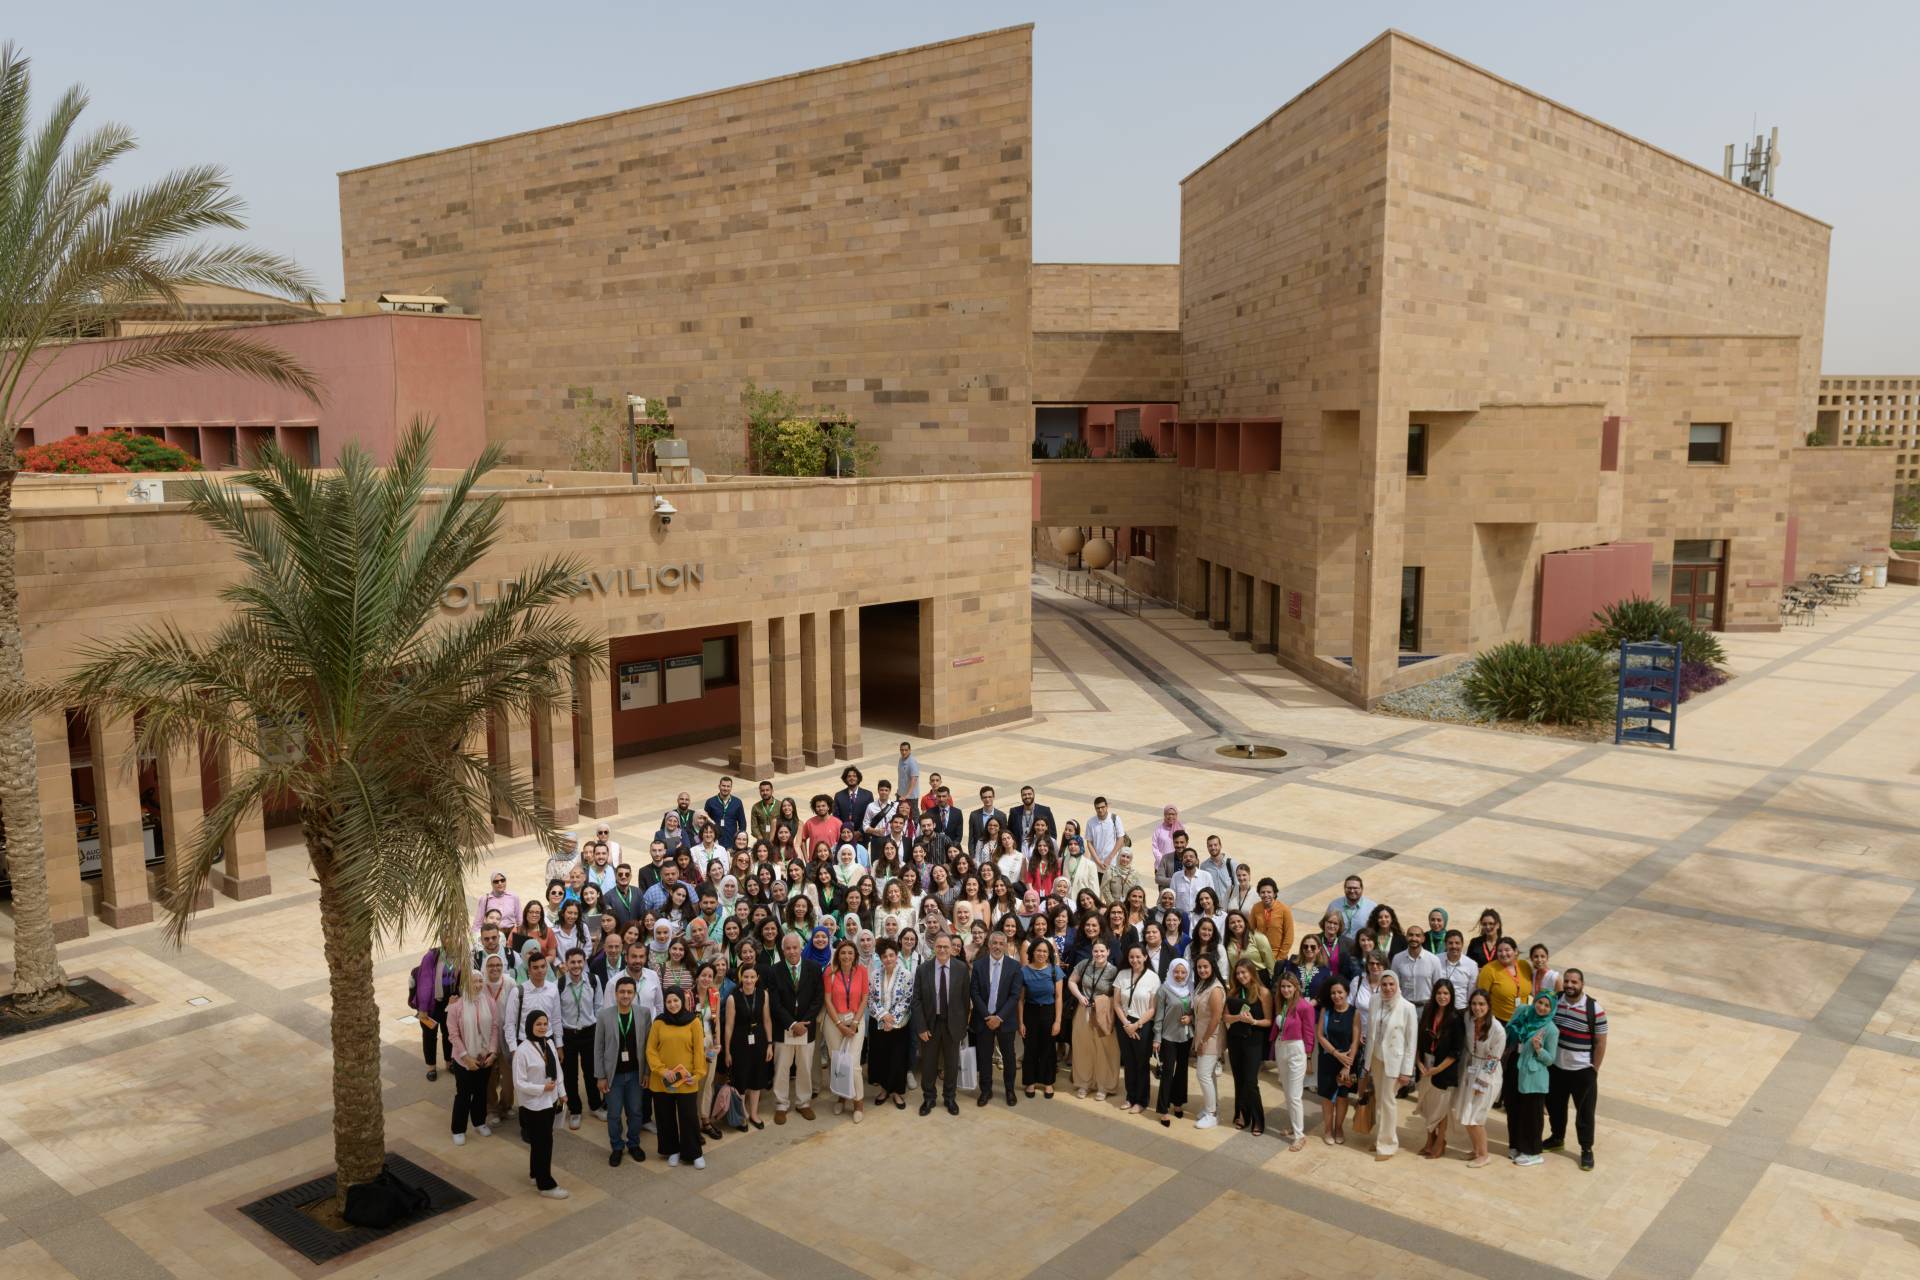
x: 94, y: 997
x: 1380, y: 855
x: 280, y: 1212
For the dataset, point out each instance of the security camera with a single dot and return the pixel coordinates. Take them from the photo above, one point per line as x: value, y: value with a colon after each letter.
x: 663, y: 510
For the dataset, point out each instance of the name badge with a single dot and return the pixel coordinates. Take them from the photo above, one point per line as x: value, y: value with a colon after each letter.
x: 749, y: 1041
x: 625, y: 1057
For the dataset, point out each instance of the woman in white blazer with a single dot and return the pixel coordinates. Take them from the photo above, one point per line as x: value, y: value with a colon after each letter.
x: 1393, y: 1041
x: 536, y: 1076
x: 1134, y: 1005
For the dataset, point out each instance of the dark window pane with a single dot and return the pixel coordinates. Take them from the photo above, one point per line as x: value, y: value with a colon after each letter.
x: 1417, y: 449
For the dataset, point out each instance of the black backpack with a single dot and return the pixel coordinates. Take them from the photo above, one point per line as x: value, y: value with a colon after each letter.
x: 386, y: 1200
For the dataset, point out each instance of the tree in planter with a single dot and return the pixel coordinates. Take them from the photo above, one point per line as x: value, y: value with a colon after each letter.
x: 337, y: 628
x: 72, y: 252
x: 783, y: 439
x: 597, y: 431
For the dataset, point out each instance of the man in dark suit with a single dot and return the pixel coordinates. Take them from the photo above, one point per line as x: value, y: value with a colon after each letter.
x: 939, y: 1022
x: 946, y: 816
x: 851, y: 802
x: 977, y: 820
x: 1021, y: 819
x: 796, y: 992
x: 996, y: 1008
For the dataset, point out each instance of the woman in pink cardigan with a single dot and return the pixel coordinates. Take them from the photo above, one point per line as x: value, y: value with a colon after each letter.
x: 473, y: 1025
x: 1294, y: 1018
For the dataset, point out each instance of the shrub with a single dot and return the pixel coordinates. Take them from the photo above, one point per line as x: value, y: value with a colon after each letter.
x: 795, y: 447
x: 1074, y: 448
x: 1595, y: 640
x: 115, y: 452
x: 1542, y: 684
x: 1638, y: 620
x: 1698, y: 677
x: 1140, y: 447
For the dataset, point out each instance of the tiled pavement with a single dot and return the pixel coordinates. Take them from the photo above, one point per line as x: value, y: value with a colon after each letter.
x: 1743, y: 906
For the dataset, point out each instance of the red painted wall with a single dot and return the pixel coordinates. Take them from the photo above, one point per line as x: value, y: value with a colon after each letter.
x: 1575, y: 584
x: 377, y: 371
x: 1788, y: 561
x: 717, y: 712
x: 1097, y: 425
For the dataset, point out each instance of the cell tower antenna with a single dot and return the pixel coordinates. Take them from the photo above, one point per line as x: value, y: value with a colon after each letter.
x: 1756, y: 171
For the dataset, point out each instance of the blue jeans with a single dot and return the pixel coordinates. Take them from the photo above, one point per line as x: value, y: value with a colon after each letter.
x: 623, y: 1096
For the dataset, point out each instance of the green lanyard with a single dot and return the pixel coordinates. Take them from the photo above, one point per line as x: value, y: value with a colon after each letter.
x: 626, y: 1023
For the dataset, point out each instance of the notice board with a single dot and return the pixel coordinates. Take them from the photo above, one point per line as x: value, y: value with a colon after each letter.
x: 639, y: 684
x: 686, y: 679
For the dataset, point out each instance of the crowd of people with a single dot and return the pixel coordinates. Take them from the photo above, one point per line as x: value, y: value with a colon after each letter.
x: 886, y: 941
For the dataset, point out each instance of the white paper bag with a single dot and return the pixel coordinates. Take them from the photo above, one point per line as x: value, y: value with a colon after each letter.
x: 840, y: 1075
x: 969, y: 1069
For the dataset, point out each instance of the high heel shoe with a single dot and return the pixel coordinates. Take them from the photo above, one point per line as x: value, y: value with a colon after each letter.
x: 1029, y: 1091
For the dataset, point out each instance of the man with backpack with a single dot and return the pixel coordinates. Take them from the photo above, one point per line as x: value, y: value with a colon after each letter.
x: 1575, y: 1070
x: 581, y: 996
x: 430, y: 985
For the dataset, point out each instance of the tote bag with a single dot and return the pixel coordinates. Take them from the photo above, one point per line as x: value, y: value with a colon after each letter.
x: 969, y: 1067
x: 840, y: 1075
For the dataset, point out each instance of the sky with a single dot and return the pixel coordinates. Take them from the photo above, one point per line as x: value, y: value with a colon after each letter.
x: 1129, y: 97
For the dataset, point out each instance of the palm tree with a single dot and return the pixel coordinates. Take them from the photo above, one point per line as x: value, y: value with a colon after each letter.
x: 72, y: 252
x: 342, y: 686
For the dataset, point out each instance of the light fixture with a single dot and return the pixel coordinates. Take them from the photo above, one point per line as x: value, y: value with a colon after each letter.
x: 663, y: 511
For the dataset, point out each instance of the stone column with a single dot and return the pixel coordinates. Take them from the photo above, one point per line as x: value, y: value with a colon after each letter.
x: 1266, y: 602
x: 181, y: 810
x: 244, y: 873
x: 1379, y: 549
x: 510, y: 749
x: 846, y: 682
x: 124, y: 900
x: 816, y: 689
x: 553, y: 751
x: 935, y: 671
x: 783, y: 666
x: 1219, y: 610
x: 66, y: 895
x: 753, y: 758
x: 593, y: 709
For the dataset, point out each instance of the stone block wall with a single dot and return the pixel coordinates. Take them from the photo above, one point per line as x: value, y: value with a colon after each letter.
x: 1080, y: 297
x: 1842, y: 502
x: 1124, y: 366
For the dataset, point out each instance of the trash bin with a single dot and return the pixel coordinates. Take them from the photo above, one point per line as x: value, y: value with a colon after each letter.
x: 1880, y: 575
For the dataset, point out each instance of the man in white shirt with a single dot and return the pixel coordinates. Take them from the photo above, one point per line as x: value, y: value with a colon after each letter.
x: 1189, y: 881
x: 1417, y: 967
x: 874, y: 822
x: 536, y: 994
x: 1391, y: 1046
x: 709, y: 850
x: 1463, y: 973
x: 1104, y: 833
x: 580, y: 999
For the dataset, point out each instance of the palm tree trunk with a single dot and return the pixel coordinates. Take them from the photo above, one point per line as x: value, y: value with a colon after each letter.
x: 39, y: 983
x: 359, y: 1127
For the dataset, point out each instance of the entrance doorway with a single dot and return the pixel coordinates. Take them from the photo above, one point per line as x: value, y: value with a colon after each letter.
x: 1700, y: 580
x: 890, y: 666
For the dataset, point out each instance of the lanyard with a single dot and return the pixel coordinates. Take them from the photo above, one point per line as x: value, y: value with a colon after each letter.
x: 626, y: 1023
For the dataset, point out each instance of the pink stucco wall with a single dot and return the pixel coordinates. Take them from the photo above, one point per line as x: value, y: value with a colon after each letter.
x: 377, y: 371
x: 1575, y: 584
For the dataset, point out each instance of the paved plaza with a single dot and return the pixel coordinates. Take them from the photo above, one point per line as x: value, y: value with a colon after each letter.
x: 1742, y: 907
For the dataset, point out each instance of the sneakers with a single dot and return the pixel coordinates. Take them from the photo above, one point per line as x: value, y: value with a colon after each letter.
x: 555, y: 1193
x: 1586, y: 1161
x: 459, y: 1139
x: 1207, y: 1121
x: 699, y: 1162
x: 673, y: 1161
x: 639, y: 1156
x: 485, y: 1131
x: 600, y: 1114
x: 1553, y: 1144
x: 1527, y: 1162
x: 573, y: 1122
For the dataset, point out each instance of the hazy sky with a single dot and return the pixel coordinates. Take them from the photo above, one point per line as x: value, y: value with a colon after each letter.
x: 1129, y: 97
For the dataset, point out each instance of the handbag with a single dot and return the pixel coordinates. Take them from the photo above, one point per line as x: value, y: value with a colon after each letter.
x: 840, y: 1075
x: 969, y: 1067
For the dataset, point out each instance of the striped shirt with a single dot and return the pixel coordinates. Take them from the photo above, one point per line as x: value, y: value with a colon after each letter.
x: 1576, y: 1040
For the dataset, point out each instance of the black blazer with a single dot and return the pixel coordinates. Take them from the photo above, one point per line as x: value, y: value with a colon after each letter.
x: 791, y: 1004
x: 952, y: 826
x: 850, y: 806
x: 1021, y: 823
x: 977, y: 825
x: 1004, y: 1003
x: 959, y: 997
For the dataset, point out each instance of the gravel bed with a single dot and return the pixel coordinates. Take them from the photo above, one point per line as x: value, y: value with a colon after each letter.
x: 1442, y: 698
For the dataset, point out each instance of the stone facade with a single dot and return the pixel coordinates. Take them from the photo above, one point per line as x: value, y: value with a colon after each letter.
x: 859, y: 236
x: 1107, y: 366
x: 1842, y: 507
x: 1881, y: 408
x: 1083, y: 297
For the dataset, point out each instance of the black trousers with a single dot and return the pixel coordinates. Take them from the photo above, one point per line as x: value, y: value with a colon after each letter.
x: 469, y: 1096
x: 984, y: 1043
x: 1583, y: 1087
x: 1042, y: 1061
x: 887, y: 1059
x: 576, y: 1064
x: 1243, y: 1055
x: 439, y: 1034
x: 1173, y: 1075
x: 677, y: 1116
x: 1136, y: 1053
x: 1524, y: 1113
x: 537, y: 1128
x: 940, y: 1057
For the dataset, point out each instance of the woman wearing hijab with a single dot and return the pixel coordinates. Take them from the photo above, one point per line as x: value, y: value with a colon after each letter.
x: 1437, y: 932
x: 536, y: 1081
x: 846, y: 867
x: 748, y: 1035
x: 676, y: 1063
x: 1173, y: 1040
x: 1393, y: 1038
x: 819, y: 948
x: 1486, y: 1043
x: 1096, y: 1054
x: 1209, y: 1036
x: 1293, y: 1019
x: 1339, y: 1073
x: 1247, y: 1023
x: 729, y: 894
x: 845, y: 1026
x: 1135, y: 1005
x: 1536, y: 1042
x: 473, y: 1026
x: 1442, y: 1038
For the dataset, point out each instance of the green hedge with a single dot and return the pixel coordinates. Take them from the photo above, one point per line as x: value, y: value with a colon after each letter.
x: 1638, y: 620
x: 1567, y: 683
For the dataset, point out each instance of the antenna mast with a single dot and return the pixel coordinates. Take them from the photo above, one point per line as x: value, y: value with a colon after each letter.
x: 1755, y: 173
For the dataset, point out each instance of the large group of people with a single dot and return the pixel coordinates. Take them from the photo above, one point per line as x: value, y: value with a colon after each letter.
x: 886, y: 941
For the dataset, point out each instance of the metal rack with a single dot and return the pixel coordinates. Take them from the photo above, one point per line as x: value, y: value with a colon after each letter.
x: 1647, y: 706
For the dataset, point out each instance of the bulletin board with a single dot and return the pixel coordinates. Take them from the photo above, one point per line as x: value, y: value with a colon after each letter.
x: 686, y: 679
x: 639, y: 684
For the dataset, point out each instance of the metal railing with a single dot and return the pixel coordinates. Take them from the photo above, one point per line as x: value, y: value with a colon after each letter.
x: 1099, y: 589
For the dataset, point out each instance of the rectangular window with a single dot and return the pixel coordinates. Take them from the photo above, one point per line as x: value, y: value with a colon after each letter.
x: 1410, y: 583
x: 1707, y: 442
x: 717, y: 662
x: 1417, y: 449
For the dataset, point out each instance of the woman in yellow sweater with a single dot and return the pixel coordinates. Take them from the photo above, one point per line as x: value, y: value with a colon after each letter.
x: 676, y: 1063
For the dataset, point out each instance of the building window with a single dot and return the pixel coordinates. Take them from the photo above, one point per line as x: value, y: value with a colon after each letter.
x: 1417, y: 449
x: 1707, y: 442
x: 1140, y: 542
x: 1411, y: 580
x: 718, y: 663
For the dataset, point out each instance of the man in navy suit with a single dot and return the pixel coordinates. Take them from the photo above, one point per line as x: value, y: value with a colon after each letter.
x: 996, y: 1006
x: 977, y: 820
x: 1021, y: 819
x: 946, y: 818
x: 728, y: 815
x: 850, y: 805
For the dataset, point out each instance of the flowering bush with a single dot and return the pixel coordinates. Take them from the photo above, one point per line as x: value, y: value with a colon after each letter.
x: 112, y: 453
x: 1698, y: 677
